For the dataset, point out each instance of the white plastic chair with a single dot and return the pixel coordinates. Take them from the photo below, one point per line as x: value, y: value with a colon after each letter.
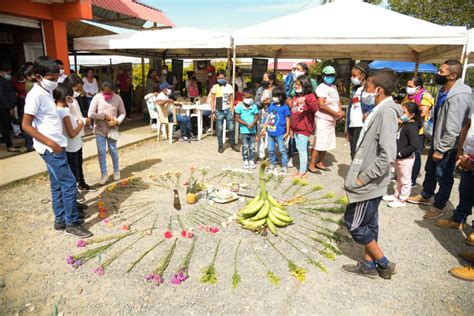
x: 163, y: 122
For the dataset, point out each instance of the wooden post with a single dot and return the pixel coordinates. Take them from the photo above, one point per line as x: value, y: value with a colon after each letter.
x: 143, y: 76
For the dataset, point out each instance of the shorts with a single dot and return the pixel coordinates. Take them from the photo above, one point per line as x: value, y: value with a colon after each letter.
x: 362, y: 220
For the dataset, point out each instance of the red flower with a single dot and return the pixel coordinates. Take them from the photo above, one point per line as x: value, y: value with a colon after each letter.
x: 125, y: 227
x: 183, y: 233
x: 168, y: 235
x: 189, y: 234
x: 214, y: 230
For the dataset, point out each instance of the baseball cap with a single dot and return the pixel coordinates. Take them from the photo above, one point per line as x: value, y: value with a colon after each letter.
x: 329, y: 70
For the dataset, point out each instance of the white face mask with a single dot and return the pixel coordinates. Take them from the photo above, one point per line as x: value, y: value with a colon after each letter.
x: 61, y: 72
x: 276, y: 100
x: 248, y: 101
x: 48, y: 84
x: 368, y: 98
x: 164, y: 71
x: 298, y: 73
x: 355, y: 81
x: 411, y: 91
x: 76, y: 94
x: 300, y: 90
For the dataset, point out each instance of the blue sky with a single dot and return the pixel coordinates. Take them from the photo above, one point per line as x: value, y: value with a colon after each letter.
x: 226, y: 15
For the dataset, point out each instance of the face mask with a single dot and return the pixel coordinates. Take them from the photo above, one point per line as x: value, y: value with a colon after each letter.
x: 276, y: 100
x: 222, y: 82
x: 164, y: 72
x: 61, y: 72
x: 355, y: 81
x: 329, y: 80
x: 210, y: 74
x: 167, y: 91
x: 265, y: 83
x: 299, y: 91
x: 298, y: 73
x: 107, y: 95
x: 368, y: 98
x: 411, y: 90
x: 248, y: 101
x: 76, y: 94
x: 48, y: 84
x: 7, y: 76
x: 441, y: 80
x: 404, y: 118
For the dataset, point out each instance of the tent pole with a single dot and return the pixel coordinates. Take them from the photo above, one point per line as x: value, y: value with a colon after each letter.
x: 233, y: 69
x: 75, y: 61
x: 464, y: 68
x: 464, y: 60
x: 143, y: 76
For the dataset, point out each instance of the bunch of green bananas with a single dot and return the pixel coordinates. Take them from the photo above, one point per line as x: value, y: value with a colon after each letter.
x: 264, y: 211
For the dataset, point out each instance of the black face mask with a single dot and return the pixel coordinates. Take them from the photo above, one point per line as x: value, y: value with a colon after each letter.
x: 441, y: 80
x: 265, y: 83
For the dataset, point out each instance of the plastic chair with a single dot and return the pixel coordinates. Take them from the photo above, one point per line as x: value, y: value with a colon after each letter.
x: 163, y: 122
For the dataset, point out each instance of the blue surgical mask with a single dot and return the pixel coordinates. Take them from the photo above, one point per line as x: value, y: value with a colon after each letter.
x: 222, y: 82
x: 404, y: 118
x: 368, y: 98
x: 329, y: 80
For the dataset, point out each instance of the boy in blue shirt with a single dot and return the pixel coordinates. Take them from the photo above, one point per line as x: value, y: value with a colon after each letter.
x: 246, y: 114
x: 277, y: 126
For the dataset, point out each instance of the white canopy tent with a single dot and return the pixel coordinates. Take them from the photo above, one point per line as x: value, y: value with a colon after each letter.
x: 180, y: 42
x: 351, y: 29
x: 469, y: 52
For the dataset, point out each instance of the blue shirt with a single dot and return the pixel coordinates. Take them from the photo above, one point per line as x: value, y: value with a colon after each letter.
x: 439, y: 102
x: 247, y: 114
x: 277, y: 115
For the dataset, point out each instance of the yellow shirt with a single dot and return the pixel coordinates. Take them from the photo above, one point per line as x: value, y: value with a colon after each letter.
x: 427, y: 100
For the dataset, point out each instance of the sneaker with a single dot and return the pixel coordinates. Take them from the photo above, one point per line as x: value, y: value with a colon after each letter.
x: 78, y: 231
x: 116, y: 176
x: 433, y: 213
x: 466, y: 255
x: 359, y: 269
x: 449, y: 223
x: 387, y: 273
x: 246, y: 164
x: 290, y: 164
x: 235, y: 148
x: 84, y: 187
x: 284, y: 170
x: 396, y: 204
x: 193, y: 138
x: 104, y: 179
x: 389, y: 198
x: 220, y: 150
x: 252, y: 164
x: 463, y: 273
x: 59, y: 227
x: 154, y: 126
x: 271, y: 168
x: 470, y: 240
x: 184, y: 139
x: 418, y: 199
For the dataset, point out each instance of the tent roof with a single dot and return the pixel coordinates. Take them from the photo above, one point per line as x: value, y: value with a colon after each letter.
x: 470, y: 44
x: 178, y: 42
x: 403, y: 66
x: 330, y: 31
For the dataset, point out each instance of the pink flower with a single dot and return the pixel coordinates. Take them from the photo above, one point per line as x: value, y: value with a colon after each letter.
x: 183, y: 233
x: 77, y: 263
x: 214, y: 230
x: 189, y: 234
x: 106, y: 220
x: 69, y: 260
x: 81, y: 243
x: 168, y: 235
x: 156, y: 278
x: 99, y: 271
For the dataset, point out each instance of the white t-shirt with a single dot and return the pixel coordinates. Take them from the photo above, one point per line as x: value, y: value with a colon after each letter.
x: 40, y: 104
x: 468, y: 146
x: 224, y: 92
x: 76, y: 114
x: 356, y: 115
x: 241, y: 85
x: 163, y: 97
x: 75, y: 143
x: 89, y: 87
x: 332, y: 99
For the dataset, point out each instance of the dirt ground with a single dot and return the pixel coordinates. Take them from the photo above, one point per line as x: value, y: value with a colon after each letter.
x: 35, y: 279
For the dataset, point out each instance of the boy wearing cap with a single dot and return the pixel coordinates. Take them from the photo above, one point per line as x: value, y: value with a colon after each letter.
x: 330, y: 110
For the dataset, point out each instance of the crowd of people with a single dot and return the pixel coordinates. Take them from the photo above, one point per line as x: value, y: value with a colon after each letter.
x: 55, y: 108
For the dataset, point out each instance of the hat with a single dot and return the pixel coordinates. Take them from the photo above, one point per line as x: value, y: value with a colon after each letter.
x: 329, y: 70
x: 165, y: 85
x: 364, y: 67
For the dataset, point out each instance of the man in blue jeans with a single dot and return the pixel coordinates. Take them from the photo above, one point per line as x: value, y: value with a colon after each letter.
x: 42, y: 122
x: 451, y: 110
x: 222, y: 108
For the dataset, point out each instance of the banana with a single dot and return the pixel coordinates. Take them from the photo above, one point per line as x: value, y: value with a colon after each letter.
x: 276, y: 221
x: 271, y: 227
x: 253, y: 209
x: 251, y: 204
x: 280, y: 216
x: 263, y: 211
x: 279, y: 210
x: 274, y: 202
x: 254, y: 200
x: 252, y: 225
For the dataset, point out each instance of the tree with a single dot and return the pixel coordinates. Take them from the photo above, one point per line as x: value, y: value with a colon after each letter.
x: 443, y: 12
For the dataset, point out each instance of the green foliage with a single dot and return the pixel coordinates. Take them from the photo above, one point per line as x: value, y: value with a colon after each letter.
x: 444, y: 12
x: 137, y: 74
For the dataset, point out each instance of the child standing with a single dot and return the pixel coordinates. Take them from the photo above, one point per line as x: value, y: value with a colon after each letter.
x: 303, y: 107
x: 42, y: 122
x: 277, y: 126
x: 246, y: 114
x: 369, y: 175
x: 407, y: 141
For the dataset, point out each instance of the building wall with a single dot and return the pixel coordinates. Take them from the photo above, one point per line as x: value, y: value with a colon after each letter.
x: 11, y: 43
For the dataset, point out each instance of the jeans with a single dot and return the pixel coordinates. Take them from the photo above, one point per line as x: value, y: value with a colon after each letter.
x: 302, y: 147
x: 227, y: 116
x: 417, y: 165
x: 75, y: 163
x: 63, y: 188
x: 102, y: 143
x: 248, y: 146
x: 184, y: 122
x: 281, y: 147
x: 466, y: 197
x: 439, y: 172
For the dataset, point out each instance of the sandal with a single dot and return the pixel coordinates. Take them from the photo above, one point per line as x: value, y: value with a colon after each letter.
x: 13, y: 150
x: 323, y: 169
x: 314, y: 171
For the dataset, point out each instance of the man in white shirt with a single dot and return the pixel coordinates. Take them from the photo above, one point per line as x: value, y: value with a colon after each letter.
x: 62, y: 75
x: 42, y: 122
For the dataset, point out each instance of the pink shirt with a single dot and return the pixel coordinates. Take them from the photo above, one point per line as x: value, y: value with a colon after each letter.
x: 99, y: 108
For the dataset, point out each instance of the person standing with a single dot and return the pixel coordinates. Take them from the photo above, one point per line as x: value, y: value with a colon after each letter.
x: 451, y: 111
x: 211, y: 78
x: 246, y: 113
x: 42, y: 122
x: 369, y: 175
x: 330, y: 110
x: 7, y: 105
x: 62, y: 75
x: 299, y: 70
x: 152, y: 82
x: 423, y: 98
x: 263, y: 98
x: 125, y: 86
x: 108, y: 112
x: 354, y: 115
x: 239, y: 80
x: 90, y: 87
x: 192, y: 90
x: 222, y: 108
